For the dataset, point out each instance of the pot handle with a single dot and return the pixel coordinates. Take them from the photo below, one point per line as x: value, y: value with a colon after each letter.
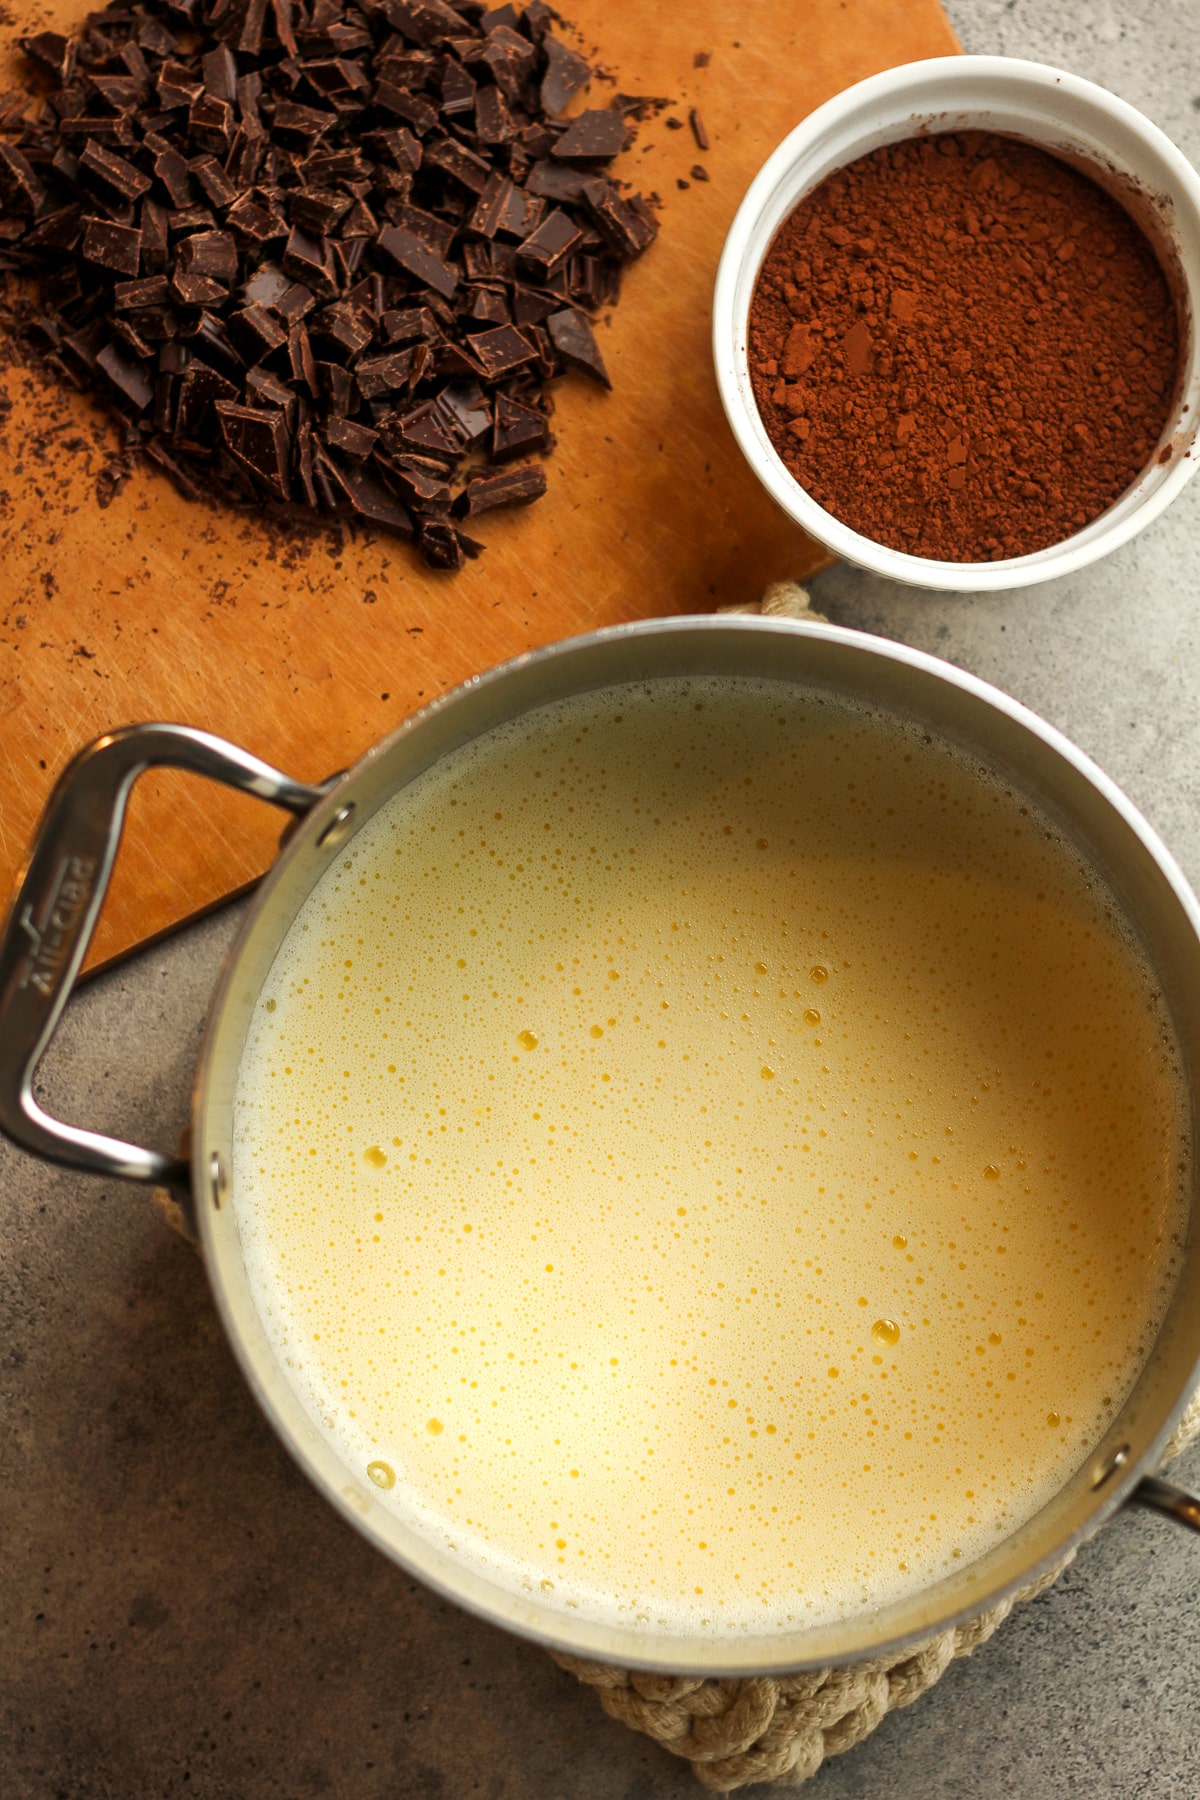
x: 1164, y: 1497
x: 55, y: 910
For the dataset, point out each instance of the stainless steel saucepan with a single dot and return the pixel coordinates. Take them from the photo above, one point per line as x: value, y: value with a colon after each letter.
x: 60, y: 896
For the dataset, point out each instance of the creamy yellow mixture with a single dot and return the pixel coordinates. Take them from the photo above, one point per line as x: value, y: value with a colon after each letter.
x: 704, y: 1152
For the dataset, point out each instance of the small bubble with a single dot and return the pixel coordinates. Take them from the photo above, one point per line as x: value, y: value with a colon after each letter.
x: 434, y: 1426
x: 885, y: 1331
x: 597, y: 1031
x: 991, y: 1171
x: 760, y: 968
x: 375, y: 1156
x: 382, y: 1474
x: 812, y: 1016
x: 767, y: 1074
x: 817, y: 973
x: 1053, y: 1420
x: 760, y: 843
x: 527, y: 1040
x: 270, y: 1005
x: 899, y: 1243
x: 994, y: 1337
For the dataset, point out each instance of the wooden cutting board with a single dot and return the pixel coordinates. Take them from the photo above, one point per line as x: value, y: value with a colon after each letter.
x: 137, y: 604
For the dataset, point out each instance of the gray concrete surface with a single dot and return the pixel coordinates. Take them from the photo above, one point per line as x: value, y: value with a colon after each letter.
x: 180, y: 1613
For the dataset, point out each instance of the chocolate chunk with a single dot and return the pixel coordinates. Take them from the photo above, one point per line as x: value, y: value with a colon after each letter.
x: 467, y: 411
x: 128, y: 374
x: 439, y: 544
x: 371, y: 500
x: 257, y: 440
x: 258, y: 223
x: 219, y: 73
x: 111, y: 174
x: 342, y: 330
x: 266, y: 285
x: 407, y: 106
x: 255, y: 333
x: 501, y: 351
x: 218, y: 188
x: 211, y: 124
x: 319, y: 209
x: 554, y: 181
x: 378, y: 375
x: 455, y: 160
x: 117, y: 247
x: 405, y: 324
x: 573, y: 338
x: 698, y: 131
x: 49, y: 50
x: 421, y: 491
x: 493, y: 121
x: 352, y: 439
x: 699, y: 172
x: 566, y: 73
x: 301, y: 124
x: 310, y: 260
x: 547, y: 248
x: 178, y: 86
x: 417, y: 259
x: 626, y: 226
x: 199, y: 390
x: 423, y: 21
x: 507, y: 487
x: 59, y: 230
x: 510, y: 59
x: 593, y: 137
x: 20, y: 189
x: 211, y: 253
x: 403, y: 148
x: 268, y: 390
x: 425, y: 431
x: 458, y: 92
x: 130, y: 294
x: 518, y: 429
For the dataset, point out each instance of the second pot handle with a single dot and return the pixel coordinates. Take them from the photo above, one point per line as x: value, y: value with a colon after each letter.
x: 1164, y: 1497
x: 56, y: 907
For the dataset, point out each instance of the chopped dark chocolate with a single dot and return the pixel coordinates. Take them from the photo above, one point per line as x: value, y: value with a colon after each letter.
x: 566, y: 73
x: 128, y: 374
x: 698, y: 131
x: 507, y: 487
x: 545, y: 249
x: 257, y: 439
x: 117, y: 247
x: 502, y: 350
x: 325, y: 255
x: 417, y: 259
x: 593, y: 137
x: 575, y: 341
x: 518, y: 429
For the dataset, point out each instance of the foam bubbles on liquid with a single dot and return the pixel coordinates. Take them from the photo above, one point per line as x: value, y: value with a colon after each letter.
x: 651, y: 1285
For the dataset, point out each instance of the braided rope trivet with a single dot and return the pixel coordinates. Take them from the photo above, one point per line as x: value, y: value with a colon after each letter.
x: 780, y: 1728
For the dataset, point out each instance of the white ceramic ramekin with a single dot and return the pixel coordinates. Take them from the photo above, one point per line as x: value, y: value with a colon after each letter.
x: 1046, y: 106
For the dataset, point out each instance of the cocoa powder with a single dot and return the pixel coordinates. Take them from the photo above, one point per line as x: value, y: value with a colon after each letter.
x: 962, y: 347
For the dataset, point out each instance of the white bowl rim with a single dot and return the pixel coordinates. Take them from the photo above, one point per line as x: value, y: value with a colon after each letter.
x: 932, y: 83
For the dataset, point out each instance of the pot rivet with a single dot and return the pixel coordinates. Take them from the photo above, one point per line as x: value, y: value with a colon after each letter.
x: 337, y: 828
x: 216, y: 1179
x: 1108, y: 1468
